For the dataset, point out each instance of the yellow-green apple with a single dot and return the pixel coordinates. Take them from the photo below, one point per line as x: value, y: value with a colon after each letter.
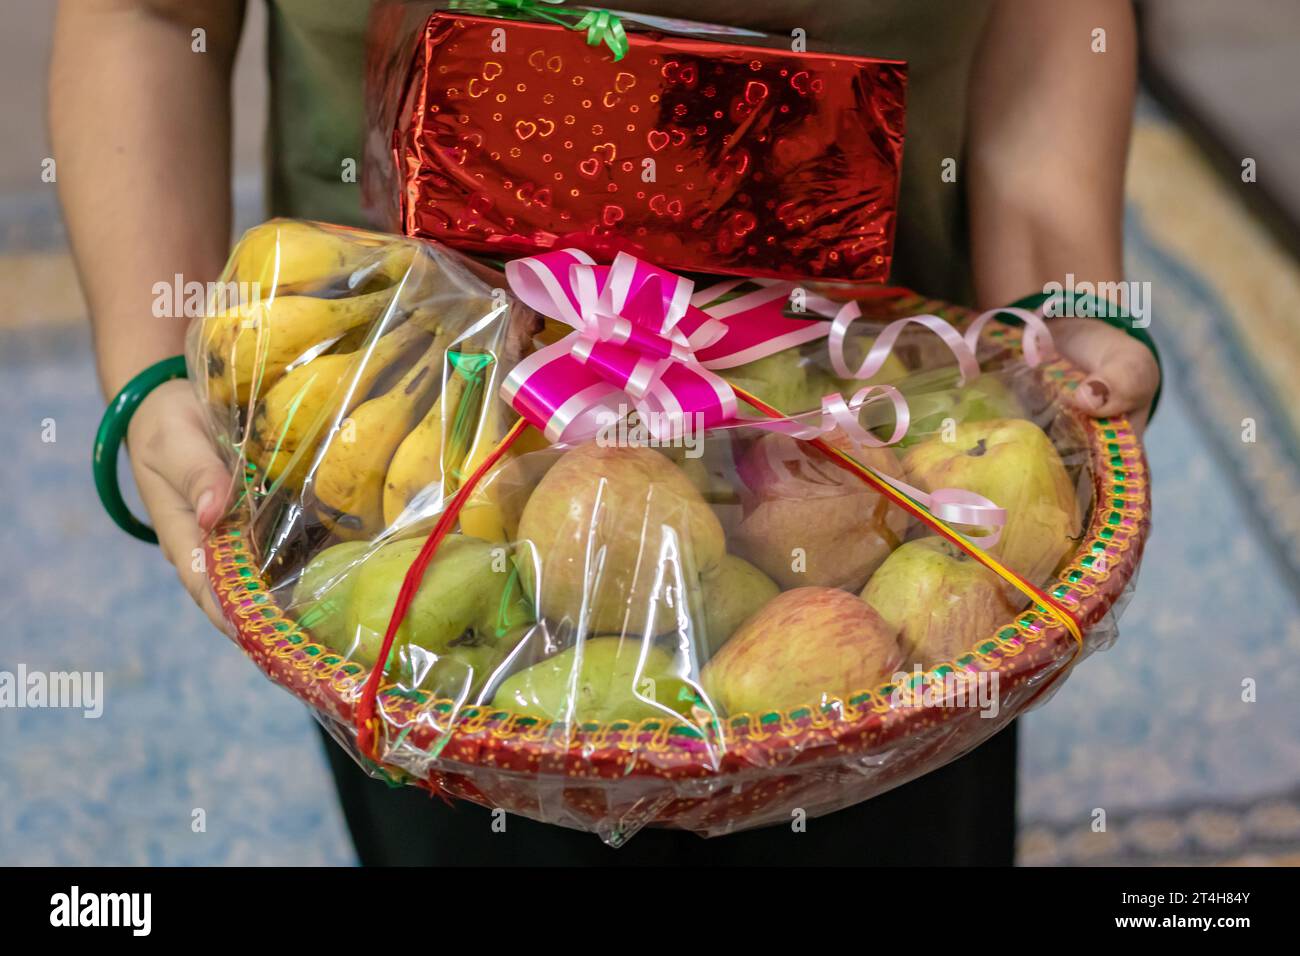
x: 939, y: 599
x: 803, y: 647
x: 808, y: 521
x: 1014, y: 464
x: 730, y: 592
x: 613, y: 538
x: 615, y: 678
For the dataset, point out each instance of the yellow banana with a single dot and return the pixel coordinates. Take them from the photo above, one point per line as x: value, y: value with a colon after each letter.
x: 286, y: 254
x: 290, y: 417
x: 252, y: 344
x: 428, y: 453
x: 482, y: 515
x: 349, y: 479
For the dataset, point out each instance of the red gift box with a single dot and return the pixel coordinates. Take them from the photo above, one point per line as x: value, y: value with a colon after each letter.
x: 696, y: 154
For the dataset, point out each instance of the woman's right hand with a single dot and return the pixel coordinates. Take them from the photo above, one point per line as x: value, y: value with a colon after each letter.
x: 182, y: 481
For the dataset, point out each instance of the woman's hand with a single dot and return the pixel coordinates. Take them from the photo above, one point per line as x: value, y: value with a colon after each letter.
x: 182, y: 481
x: 1122, y: 372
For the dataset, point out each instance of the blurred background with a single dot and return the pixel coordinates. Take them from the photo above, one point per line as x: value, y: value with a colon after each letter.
x: 1154, y: 731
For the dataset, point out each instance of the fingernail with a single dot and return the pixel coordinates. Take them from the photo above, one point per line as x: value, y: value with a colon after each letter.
x: 1100, y: 391
x: 204, y: 501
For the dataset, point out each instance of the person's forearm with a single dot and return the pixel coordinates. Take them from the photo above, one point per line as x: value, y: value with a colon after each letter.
x: 1050, y: 124
x: 141, y: 131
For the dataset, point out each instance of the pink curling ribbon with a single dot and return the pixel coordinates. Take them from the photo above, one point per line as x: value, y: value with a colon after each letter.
x: 1036, y: 343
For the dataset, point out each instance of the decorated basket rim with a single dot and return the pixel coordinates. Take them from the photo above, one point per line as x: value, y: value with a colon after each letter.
x: 1021, y: 650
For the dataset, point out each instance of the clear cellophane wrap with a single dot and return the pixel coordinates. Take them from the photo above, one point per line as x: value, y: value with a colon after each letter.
x: 709, y: 632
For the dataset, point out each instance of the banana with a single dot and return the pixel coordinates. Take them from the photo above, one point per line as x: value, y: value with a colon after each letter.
x: 482, y: 515
x: 286, y: 254
x: 429, y: 452
x: 253, y: 343
x: 349, y: 479
x: 289, y: 418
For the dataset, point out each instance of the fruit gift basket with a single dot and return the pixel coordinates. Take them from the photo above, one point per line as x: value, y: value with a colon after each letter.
x: 609, y: 548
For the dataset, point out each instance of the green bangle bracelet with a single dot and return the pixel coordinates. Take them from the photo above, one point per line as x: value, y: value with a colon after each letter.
x: 112, y: 430
x: 1104, y: 311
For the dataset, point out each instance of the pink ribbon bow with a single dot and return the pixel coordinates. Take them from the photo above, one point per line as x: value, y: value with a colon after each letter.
x: 638, y: 340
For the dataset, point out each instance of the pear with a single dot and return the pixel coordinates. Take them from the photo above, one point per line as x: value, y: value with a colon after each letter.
x: 613, y: 538
x: 730, y: 592
x: 802, y: 648
x: 808, y: 521
x: 1014, y: 464
x: 615, y: 679
x: 323, y: 591
x: 467, y: 605
x: 939, y: 599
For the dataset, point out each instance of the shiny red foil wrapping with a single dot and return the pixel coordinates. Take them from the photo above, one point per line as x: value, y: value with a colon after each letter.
x: 697, y: 155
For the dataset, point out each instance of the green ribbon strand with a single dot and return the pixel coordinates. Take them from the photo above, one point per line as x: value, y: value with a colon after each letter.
x: 601, y: 26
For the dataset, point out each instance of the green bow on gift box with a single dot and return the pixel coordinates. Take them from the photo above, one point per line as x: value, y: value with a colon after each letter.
x: 602, y: 26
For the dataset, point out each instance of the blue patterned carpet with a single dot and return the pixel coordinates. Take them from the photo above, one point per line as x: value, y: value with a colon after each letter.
x: 188, y: 723
x: 1154, y: 732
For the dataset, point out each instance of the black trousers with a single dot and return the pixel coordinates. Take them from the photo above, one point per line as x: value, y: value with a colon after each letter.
x: 961, y: 815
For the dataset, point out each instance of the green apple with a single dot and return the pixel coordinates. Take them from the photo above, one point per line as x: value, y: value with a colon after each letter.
x: 856, y: 348
x: 730, y: 592
x: 939, y: 599
x: 1014, y: 464
x: 615, y: 679
x: 803, y: 647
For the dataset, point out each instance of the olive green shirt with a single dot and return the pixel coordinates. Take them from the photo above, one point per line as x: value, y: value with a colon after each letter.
x: 317, y: 58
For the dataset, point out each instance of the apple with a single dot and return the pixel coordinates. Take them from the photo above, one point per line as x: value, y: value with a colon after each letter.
x: 802, y: 648
x: 939, y: 599
x: 1014, y: 464
x: 730, y: 592
x: 808, y: 521
x: 613, y: 538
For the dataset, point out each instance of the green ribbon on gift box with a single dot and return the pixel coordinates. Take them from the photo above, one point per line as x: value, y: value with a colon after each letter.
x: 601, y: 26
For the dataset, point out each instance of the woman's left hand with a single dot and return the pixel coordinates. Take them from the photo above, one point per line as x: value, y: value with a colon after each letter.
x: 1122, y: 372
